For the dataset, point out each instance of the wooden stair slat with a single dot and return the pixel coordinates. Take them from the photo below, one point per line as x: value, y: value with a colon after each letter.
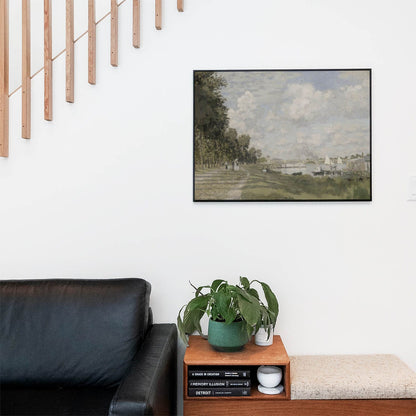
x: 92, y: 42
x: 69, y: 55
x: 26, y: 80
x: 4, y: 79
x: 114, y: 33
x: 136, y: 23
x: 47, y: 56
x: 158, y: 14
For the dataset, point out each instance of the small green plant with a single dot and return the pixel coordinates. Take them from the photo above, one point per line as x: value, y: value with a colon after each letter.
x: 229, y: 303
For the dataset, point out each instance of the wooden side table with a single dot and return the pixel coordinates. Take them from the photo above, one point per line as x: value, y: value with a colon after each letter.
x: 200, y: 354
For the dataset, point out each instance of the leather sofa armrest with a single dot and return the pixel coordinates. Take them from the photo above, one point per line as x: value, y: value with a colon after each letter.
x: 149, y: 387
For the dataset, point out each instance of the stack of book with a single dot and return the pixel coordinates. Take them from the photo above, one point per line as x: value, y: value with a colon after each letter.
x: 203, y: 382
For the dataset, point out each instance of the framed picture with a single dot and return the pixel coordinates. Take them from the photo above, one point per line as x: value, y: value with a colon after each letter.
x: 282, y: 135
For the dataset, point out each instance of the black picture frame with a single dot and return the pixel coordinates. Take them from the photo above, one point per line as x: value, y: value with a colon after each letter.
x: 219, y: 176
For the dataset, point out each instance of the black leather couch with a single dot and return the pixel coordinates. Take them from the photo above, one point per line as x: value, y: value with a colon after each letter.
x: 84, y: 347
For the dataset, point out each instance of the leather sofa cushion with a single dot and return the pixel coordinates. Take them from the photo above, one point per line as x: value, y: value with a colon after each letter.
x: 52, y: 401
x: 70, y: 331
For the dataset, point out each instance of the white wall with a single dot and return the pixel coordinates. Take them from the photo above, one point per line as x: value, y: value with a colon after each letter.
x: 106, y: 188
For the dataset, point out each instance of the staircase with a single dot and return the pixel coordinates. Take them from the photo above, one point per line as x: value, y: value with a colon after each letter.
x: 47, y: 69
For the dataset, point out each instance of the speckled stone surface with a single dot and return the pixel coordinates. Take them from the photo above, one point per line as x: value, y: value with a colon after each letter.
x: 351, y: 377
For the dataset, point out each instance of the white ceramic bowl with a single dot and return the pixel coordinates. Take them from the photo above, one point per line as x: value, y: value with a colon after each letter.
x: 269, y: 375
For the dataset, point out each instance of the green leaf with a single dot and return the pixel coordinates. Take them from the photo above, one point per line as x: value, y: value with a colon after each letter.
x: 193, y: 314
x: 231, y: 316
x: 265, y: 317
x: 181, y: 327
x: 199, y: 290
x: 191, y: 321
x: 216, y: 284
x: 196, y: 318
x: 271, y: 299
x: 199, y: 302
x: 253, y: 292
x: 241, y: 292
x: 249, y: 330
x: 222, y: 301
x: 214, y: 314
x: 249, y: 310
x: 222, y: 307
x: 244, y: 282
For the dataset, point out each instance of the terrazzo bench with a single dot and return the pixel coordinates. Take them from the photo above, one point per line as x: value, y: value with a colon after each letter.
x: 351, y: 385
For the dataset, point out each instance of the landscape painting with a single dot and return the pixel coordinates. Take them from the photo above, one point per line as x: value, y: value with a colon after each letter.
x: 282, y: 135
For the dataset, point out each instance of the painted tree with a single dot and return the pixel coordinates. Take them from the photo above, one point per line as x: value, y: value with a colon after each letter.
x: 215, y: 142
x: 211, y: 117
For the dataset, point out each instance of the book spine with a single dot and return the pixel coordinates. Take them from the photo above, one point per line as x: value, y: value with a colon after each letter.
x: 219, y: 383
x: 219, y: 391
x: 219, y: 373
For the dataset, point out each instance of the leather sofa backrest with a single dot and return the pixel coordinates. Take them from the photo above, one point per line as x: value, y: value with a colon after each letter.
x: 70, y: 331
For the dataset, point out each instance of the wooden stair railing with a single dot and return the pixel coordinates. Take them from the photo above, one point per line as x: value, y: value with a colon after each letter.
x: 114, y: 33
x: 4, y: 78
x: 26, y: 80
x: 91, y: 42
x: 69, y: 56
x: 48, y: 58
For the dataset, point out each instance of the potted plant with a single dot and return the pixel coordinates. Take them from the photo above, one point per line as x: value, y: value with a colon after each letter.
x: 234, y: 312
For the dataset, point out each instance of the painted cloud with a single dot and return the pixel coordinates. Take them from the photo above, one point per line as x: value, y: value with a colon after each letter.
x: 301, y: 114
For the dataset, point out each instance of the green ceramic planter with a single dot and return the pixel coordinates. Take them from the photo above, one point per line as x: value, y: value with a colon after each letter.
x: 227, y: 338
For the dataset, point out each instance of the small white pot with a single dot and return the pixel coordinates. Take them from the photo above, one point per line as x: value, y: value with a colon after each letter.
x: 261, y: 338
x: 269, y: 376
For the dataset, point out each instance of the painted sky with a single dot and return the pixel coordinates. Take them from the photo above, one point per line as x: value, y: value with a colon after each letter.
x: 301, y: 114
